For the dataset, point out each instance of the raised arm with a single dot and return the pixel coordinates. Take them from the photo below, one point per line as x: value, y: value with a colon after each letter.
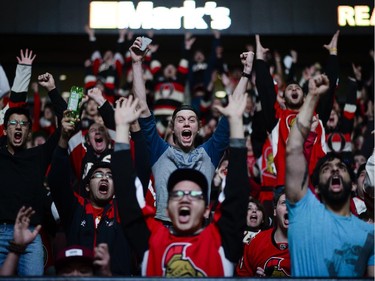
x: 104, y: 107
x: 247, y: 59
x: 236, y: 192
x: 25, y: 61
x: 350, y: 107
x: 219, y: 141
x: 22, y: 79
x: 21, y: 82
x: 47, y: 81
x: 265, y: 86
x: 58, y: 177
x: 296, y: 180
x: 332, y: 71
x: 139, y: 87
x: 125, y: 114
x: 233, y: 111
x: 128, y: 190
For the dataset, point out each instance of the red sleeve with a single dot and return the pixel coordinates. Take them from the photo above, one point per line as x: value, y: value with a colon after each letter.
x: 76, y: 155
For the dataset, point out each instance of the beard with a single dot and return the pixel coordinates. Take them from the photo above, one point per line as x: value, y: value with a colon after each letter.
x: 293, y: 106
x: 334, y: 199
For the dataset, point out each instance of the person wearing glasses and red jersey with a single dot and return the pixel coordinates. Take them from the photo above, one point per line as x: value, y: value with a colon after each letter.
x: 191, y: 246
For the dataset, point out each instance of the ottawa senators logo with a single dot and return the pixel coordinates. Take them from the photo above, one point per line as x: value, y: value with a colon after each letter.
x: 290, y: 120
x: 270, y: 166
x: 276, y: 267
x: 176, y: 264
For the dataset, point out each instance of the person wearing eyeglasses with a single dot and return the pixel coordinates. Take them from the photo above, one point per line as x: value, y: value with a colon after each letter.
x: 191, y: 246
x: 166, y: 157
x: 92, y: 219
x: 23, y: 169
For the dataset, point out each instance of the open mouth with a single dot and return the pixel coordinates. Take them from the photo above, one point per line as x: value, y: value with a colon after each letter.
x: 184, y: 214
x: 186, y: 133
x: 17, y: 137
x: 253, y: 218
x: 295, y: 96
x: 103, y: 188
x: 99, y: 140
x: 286, y: 218
x: 335, y: 183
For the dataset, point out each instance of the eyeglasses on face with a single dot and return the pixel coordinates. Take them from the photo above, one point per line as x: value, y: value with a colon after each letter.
x: 192, y: 194
x: 22, y: 123
x: 100, y: 175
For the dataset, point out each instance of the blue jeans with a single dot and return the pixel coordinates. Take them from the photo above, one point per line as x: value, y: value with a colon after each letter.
x: 31, y: 263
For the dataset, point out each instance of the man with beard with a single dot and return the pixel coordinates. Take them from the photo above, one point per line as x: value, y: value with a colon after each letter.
x: 325, y: 238
x: 267, y: 254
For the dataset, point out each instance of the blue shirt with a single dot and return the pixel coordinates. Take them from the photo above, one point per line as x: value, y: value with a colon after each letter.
x: 324, y: 244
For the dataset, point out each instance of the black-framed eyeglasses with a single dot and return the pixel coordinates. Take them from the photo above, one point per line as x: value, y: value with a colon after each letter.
x: 192, y: 194
x: 22, y: 123
x: 100, y: 175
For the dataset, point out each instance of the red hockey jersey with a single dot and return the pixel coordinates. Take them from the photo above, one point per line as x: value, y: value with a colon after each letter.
x: 280, y: 136
x: 264, y: 252
x: 184, y: 256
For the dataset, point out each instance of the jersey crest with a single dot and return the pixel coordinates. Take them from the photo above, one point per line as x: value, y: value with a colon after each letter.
x: 176, y: 263
x: 274, y: 267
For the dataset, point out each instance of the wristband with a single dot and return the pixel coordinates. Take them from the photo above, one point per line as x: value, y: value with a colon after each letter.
x: 247, y: 75
x: 16, y: 248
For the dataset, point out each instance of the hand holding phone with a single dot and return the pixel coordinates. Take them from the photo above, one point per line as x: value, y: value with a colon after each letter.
x: 145, y: 42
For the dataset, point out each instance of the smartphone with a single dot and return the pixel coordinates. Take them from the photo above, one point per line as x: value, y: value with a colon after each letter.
x: 145, y: 42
